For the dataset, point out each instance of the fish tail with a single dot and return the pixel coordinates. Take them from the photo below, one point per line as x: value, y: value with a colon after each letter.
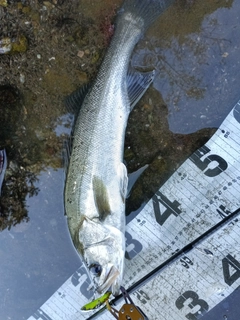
x: 144, y: 12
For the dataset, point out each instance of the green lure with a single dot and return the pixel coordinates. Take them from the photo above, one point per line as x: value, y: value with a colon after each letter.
x: 96, y: 303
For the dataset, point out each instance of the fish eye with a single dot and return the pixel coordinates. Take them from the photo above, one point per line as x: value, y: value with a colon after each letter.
x: 95, y: 269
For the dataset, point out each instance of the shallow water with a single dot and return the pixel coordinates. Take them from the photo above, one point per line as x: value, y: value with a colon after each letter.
x: 198, y: 71
x: 195, y: 49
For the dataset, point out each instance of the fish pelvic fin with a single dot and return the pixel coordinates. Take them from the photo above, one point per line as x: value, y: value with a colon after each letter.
x: 144, y: 12
x: 101, y: 198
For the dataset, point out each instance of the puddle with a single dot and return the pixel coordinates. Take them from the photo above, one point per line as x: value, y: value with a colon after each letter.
x: 198, y: 71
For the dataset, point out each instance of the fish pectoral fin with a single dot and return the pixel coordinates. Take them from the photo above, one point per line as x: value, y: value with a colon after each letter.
x: 123, y: 181
x: 133, y: 177
x: 138, y: 83
x: 101, y: 198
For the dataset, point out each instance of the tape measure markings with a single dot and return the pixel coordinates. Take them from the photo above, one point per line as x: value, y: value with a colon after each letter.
x: 68, y: 304
x: 230, y: 122
x: 186, y: 206
x: 231, y: 145
x: 145, y: 252
x: 236, y: 112
x: 166, y: 237
x: 207, y: 200
x: 201, y: 271
x: 40, y: 315
x: 44, y: 313
x: 229, y: 152
x: 228, y: 137
x: 197, y: 192
x: 191, y: 199
x: 173, y: 295
x: 233, y: 120
x: 175, y: 278
x: 153, y: 232
x: 170, y: 193
x: 53, y: 305
x: 200, y: 188
x: 71, y: 295
x: 192, y: 196
x: 151, y: 228
x: 153, y: 240
x: 197, y: 196
x: 209, y: 193
x: 61, y: 310
x: 218, y: 177
x: 208, y: 282
x: 152, y: 300
x: 60, y: 314
x: 50, y: 309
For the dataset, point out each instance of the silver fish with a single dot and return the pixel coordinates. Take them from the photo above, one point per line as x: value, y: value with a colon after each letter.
x: 97, y: 180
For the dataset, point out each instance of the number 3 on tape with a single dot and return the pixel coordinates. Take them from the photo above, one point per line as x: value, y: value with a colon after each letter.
x: 194, y: 301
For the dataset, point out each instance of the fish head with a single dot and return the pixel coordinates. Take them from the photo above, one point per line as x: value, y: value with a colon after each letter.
x: 103, y: 251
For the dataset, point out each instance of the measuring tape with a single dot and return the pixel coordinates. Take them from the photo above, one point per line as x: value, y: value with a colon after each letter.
x: 198, y: 196
x: 200, y: 278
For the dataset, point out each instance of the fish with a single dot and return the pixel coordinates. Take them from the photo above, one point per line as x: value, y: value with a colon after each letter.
x: 97, y: 180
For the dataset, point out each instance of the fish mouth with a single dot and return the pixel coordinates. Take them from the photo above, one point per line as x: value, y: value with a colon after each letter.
x: 108, y: 281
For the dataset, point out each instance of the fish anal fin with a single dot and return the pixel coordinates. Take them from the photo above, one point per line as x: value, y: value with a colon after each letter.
x: 133, y: 177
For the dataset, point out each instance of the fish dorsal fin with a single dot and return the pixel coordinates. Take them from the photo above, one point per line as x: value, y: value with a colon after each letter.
x: 123, y: 178
x: 101, y: 198
x: 138, y: 83
x: 73, y: 104
x: 74, y: 101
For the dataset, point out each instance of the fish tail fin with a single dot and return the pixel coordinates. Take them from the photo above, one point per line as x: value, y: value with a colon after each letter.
x: 144, y: 12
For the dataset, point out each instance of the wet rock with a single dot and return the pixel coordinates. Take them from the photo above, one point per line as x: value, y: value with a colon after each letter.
x: 3, y: 3
x: 20, y: 44
x: 5, y: 45
x: 13, y: 45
